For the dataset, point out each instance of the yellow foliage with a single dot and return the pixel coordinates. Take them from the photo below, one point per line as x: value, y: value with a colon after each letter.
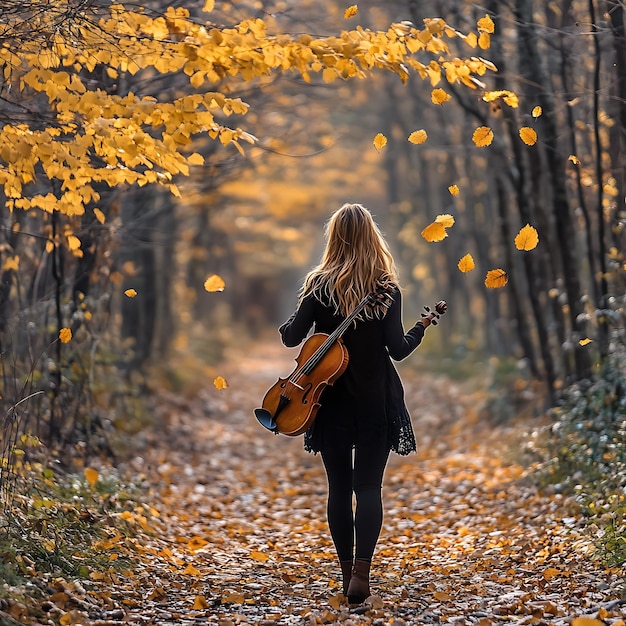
x: 528, y: 135
x: 380, y: 141
x: 527, y: 238
x: 418, y: 136
x: 436, y: 231
x: 496, y: 278
x: 483, y: 136
x: 466, y: 263
x: 214, y: 283
x: 98, y: 137
x: 65, y: 335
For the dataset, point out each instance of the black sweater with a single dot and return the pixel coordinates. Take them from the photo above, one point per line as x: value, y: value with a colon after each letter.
x: 367, y: 402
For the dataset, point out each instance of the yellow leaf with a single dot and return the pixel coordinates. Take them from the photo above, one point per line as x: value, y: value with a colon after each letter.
x: 437, y: 230
x: 496, y: 278
x: 454, y: 190
x: 259, y: 556
x: 537, y: 111
x: 12, y: 263
x: 418, y: 136
x: 486, y: 25
x: 585, y: 341
x: 527, y: 238
x: 49, y: 246
x: 73, y: 242
x: 220, y: 383
x: 441, y: 596
x: 99, y: 216
x: 528, y: 135
x: 195, y: 159
x: 380, y: 141
x: 484, y: 41
x: 190, y: 570
x: 483, y: 136
x: 200, y: 603
x: 439, y: 96
x: 130, y: 293
x: 466, y: 264
x: 209, y: 5
x: 445, y: 219
x: 587, y: 621
x: 510, y: 98
x: 91, y: 475
x: 351, y: 11
x: 214, y: 283
x: 574, y: 159
x: 233, y: 598
x: 434, y: 232
x: 65, y: 335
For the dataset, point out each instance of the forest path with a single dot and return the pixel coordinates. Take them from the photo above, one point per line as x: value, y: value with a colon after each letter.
x: 241, y: 535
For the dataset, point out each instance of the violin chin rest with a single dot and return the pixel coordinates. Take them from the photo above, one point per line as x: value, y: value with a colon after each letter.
x: 266, y: 419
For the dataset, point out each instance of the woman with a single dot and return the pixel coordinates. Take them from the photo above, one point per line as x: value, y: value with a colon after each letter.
x: 363, y: 415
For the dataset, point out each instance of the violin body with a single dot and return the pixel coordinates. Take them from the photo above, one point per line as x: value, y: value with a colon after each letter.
x: 293, y: 402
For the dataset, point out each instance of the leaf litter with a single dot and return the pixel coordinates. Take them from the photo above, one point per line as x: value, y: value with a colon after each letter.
x: 232, y: 527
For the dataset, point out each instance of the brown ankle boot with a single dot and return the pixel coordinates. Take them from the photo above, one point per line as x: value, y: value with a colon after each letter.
x: 346, y: 574
x: 359, y: 587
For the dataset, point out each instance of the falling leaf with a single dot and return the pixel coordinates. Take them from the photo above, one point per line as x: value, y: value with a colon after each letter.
x: 587, y: 621
x: 528, y: 135
x: 510, y: 98
x: 209, y: 5
x: 496, y: 278
x: 536, y: 112
x: 351, y: 11
x: 91, y: 475
x: 418, y: 136
x: 259, y: 556
x: 380, y: 141
x: 65, y: 335
x: 585, y: 341
x: 214, y: 283
x: 483, y: 136
x: 466, y: 264
x: 220, y: 383
x: 574, y: 159
x: 527, y: 238
x: 454, y: 190
x: 130, y: 293
x: 486, y: 25
x: 439, y: 96
x: 436, y: 231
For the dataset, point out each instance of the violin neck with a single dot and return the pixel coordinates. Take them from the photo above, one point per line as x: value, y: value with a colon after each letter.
x: 317, y: 356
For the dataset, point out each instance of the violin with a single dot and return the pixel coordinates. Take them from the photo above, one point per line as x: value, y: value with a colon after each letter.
x: 291, y: 404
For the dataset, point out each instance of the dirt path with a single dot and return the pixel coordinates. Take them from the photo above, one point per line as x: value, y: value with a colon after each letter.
x: 241, y: 535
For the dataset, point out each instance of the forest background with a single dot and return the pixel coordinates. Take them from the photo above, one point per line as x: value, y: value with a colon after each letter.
x: 158, y: 210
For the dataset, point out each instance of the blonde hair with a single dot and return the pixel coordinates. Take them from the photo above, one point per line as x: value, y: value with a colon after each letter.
x: 356, y: 262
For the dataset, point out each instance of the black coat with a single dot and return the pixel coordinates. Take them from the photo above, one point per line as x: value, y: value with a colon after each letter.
x: 367, y: 402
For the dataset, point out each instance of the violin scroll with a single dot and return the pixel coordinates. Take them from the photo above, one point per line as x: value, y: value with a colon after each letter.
x: 432, y: 316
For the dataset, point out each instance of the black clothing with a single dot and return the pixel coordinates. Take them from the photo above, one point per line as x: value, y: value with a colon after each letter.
x: 366, y: 403
x: 365, y: 478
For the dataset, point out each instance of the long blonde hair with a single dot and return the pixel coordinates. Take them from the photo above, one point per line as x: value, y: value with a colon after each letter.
x: 356, y: 262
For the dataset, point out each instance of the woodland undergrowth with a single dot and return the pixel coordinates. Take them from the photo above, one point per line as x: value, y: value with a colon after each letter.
x: 190, y: 524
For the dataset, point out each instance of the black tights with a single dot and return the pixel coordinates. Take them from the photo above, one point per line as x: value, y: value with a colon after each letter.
x: 365, y: 478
